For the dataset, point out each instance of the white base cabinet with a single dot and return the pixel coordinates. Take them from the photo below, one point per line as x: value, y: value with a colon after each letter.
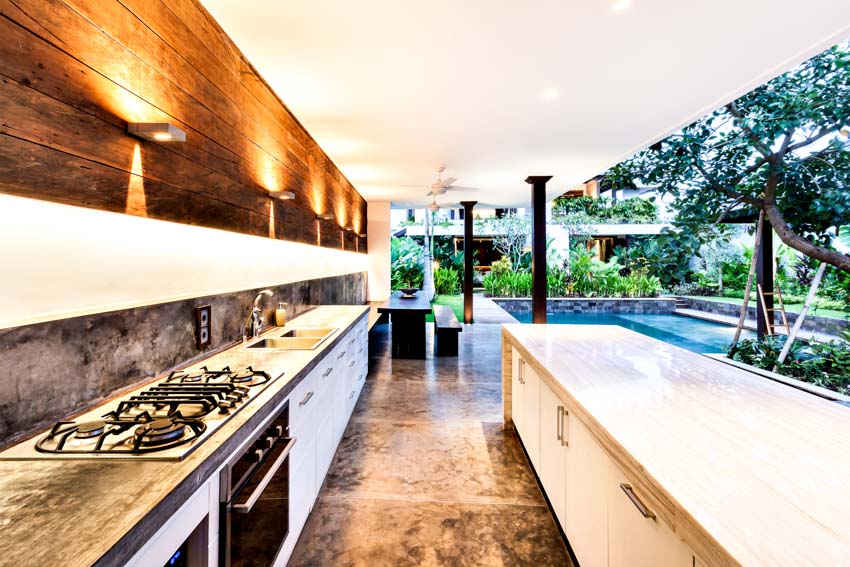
x: 553, y: 451
x: 586, y: 510
x: 319, y: 409
x: 336, y: 384
x: 525, y: 407
x: 606, y: 521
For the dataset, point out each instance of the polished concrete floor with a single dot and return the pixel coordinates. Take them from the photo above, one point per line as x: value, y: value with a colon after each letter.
x: 425, y: 475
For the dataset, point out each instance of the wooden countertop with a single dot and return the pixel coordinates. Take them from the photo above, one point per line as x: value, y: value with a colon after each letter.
x: 84, y: 512
x: 745, y: 470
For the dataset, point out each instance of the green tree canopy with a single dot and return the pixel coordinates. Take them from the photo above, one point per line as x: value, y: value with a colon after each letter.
x: 782, y: 148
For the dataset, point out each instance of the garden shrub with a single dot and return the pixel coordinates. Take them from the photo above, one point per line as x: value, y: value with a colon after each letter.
x: 446, y: 281
x: 824, y: 364
x: 406, y: 263
x: 608, y: 211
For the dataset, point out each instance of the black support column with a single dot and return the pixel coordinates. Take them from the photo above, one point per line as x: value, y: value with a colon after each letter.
x: 765, y: 279
x: 467, y: 260
x: 538, y: 246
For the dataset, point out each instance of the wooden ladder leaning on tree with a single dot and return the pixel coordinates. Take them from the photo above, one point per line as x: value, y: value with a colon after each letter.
x: 750, y: 276
x: 771, y: 326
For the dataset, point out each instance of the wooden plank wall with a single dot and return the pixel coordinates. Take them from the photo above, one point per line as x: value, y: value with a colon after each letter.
x: 74, y: 72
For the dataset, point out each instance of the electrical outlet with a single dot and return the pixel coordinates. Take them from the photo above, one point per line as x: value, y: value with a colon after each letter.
x: 203, y: 326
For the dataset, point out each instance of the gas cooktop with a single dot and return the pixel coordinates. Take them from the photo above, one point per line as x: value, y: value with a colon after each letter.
x: 163, y: 421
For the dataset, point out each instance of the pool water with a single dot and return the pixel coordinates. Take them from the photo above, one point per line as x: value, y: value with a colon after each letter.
x: 685, y: 332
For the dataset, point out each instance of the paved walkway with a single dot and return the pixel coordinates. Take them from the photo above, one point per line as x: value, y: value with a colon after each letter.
x: 425, y: 474
x: 485, y: 311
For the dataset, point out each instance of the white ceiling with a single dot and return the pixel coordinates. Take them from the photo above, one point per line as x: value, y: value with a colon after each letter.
x: 497, y: 90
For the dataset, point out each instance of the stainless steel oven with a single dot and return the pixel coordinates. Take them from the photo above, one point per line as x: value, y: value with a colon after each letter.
x: 255, y: 498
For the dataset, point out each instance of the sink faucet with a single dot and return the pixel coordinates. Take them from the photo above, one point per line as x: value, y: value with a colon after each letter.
x: 254, y: 321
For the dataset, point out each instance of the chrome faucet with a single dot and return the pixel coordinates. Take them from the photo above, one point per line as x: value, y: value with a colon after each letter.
x: 254, y: 321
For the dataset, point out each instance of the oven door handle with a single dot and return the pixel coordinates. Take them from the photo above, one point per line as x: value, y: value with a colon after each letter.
x: 252, y: 499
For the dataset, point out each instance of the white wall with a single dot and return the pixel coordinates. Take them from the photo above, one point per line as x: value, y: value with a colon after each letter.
x: 60, y: 261
x: 378, y: 234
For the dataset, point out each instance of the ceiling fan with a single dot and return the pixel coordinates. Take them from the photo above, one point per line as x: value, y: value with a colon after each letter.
x: 441, y: 186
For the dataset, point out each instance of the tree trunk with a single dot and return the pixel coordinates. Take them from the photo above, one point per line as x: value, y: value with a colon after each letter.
x: 786, y: 235
x: 789, y: 237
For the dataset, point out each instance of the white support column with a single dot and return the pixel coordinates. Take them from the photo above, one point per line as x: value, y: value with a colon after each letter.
x: 378, y: 233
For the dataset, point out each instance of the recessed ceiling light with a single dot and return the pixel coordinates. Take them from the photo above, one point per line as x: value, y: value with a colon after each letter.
x: 620, y: 5
x: 550, y: 94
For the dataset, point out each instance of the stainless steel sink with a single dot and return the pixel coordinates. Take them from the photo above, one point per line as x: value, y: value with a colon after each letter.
x: 305, y: 338
x: 308, y: 332
x: 288, y: 343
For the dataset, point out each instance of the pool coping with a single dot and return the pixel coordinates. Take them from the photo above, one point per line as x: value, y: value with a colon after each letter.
x: 793, y: 382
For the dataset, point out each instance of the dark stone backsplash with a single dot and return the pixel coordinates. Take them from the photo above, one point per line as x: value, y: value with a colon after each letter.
x: 51, y: 370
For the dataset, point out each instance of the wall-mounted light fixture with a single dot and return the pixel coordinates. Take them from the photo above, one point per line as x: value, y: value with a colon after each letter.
x: 156, y: 131
x: 349, y: 228
x: 362, y: 235
x: 283, y: 195
x: 325, y: 216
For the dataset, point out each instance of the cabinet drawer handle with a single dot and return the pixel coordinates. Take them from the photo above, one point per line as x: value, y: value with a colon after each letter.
x: 559, y: 429
x: 564, y: 415
x: 521, y: 371
x: 350, y: 364
x: 328, y: 372
x: 646, y: 512
x: 340, y: 355
x: 351, y: 395
x: 306, y: 399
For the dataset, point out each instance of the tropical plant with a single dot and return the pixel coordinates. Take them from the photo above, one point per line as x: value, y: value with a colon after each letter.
x: 446, y: 281
x: 510, y: 234
x: 607, y: 211
x: 825, y: 364
x: 665, y: 256
x: 406, y: 263
x: 501, y: 266
x: 512, y: 284
x: 777, y: 149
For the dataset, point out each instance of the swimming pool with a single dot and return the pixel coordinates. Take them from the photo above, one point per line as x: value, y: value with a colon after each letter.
x: 685, y: 332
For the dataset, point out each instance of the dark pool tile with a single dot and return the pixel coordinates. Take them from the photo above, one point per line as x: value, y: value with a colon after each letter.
x: 353, y: 532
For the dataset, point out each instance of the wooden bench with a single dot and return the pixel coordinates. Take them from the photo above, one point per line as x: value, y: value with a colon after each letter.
x: 447, y: 328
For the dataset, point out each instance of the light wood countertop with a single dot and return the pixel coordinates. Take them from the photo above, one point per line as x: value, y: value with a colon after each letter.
x: 745, y: 470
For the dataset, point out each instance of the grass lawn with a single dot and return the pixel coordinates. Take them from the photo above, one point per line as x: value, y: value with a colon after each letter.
x: 453, y: 301
x: 791, y: 308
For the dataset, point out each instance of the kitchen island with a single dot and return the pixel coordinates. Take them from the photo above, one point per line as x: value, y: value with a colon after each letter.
x: 653, y: 455
x: 106, y: 511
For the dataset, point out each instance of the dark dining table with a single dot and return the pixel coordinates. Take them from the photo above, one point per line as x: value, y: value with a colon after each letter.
x: 407, y: 318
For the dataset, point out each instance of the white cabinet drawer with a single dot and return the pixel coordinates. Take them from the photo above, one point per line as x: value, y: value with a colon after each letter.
x: 636, y: 536
x: 303, y: 402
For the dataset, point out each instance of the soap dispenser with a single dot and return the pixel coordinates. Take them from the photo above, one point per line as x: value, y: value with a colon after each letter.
x: 280, y: 314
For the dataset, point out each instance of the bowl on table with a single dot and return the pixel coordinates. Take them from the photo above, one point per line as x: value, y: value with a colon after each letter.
x: 408, y: 292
